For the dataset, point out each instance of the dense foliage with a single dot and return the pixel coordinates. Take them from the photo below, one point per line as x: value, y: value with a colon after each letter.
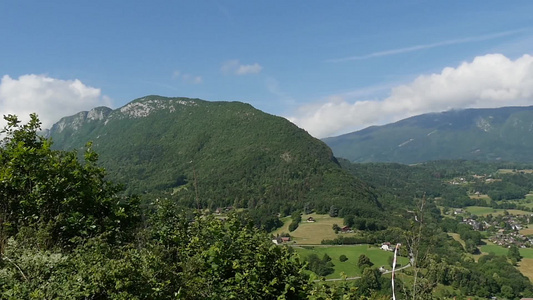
x: 320, y: 266
x: 53, y: 198
x: 216, y: 154
x: 67, y: 235
x: 499, y: 134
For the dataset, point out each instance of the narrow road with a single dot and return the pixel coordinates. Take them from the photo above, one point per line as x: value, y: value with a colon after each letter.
x: 358, y: 277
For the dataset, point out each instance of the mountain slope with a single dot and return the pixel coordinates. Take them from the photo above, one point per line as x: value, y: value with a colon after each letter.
x: 213, y: 154
x: 481, y: 134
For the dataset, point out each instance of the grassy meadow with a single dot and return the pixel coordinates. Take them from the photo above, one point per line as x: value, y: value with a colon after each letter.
x: 527, y: 230
x: 510, y: 171
x: 456, y: 237
x: 312, y: 233
x: 377, y: 256
x: 526, y: 267
x: 483, y: 211
x: 307, y: 237
x: 484, y: 197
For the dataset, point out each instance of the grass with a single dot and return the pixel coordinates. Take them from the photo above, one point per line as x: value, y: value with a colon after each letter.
x: 484, y: 197
x: 509, y: 171
x: 526, y: 267
x: 500, y: 250
x: 517, y: 212
x: 377, y: 256
x: 312, y: 233
x: 285, y: 228
x: 527, y: 231
x: 456, y: 237
x: 483, y: 211
x: 524, y: 203
x: 527, y: 253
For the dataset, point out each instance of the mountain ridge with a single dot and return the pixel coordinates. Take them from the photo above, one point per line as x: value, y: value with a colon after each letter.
x: 214, y: 154
x: 488, y: 134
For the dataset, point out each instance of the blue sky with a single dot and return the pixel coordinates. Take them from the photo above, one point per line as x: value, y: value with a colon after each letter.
x: 331, y: 67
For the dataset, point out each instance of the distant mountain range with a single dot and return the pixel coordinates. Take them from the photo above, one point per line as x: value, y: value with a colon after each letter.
x: 499, y: 134
x: 214, y: 154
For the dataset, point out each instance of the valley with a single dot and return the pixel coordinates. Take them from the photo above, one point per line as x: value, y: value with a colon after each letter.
x: 214, y: 189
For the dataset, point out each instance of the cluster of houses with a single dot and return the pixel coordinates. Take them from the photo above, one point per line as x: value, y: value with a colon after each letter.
x: 478, y: 178
x: 477, y: 225
x: 457, y: 181
x: 508, y: 239
x: 506, y: 229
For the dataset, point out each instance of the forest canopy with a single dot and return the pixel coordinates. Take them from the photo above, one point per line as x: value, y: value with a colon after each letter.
x: 66, y: 232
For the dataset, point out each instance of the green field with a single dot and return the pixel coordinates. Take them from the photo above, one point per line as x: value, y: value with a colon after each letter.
x: 483, y: 211
x: 526, y: 267
x: 456, y: 237
x: 312, y: 233
x: 484, y: 197
x: 480, y: 210
x: 510, y: 171
x: 500, y: 250
x: 377, y: 256
x: 528, y: 230
x: 523, y: 203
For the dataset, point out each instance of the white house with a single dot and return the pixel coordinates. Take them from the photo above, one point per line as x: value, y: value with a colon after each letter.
x: 386, y: 247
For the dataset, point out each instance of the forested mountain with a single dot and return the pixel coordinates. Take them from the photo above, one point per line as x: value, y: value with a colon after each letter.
x: 215, y: 154
x: 474, y: 134
x: 67, y: 232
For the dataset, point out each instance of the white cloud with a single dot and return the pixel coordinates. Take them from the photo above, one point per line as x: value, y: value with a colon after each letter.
x: 491, y: 80
x: 249, y: 69
x: 50, y: 98
x: 187, y: 78
x: 234, y: 67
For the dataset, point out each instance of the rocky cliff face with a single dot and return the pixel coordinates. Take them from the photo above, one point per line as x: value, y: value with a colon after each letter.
x: 78, y: 120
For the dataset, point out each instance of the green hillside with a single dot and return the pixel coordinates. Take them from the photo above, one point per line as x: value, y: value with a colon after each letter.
x: 215, y: 154
x: 474, y: 134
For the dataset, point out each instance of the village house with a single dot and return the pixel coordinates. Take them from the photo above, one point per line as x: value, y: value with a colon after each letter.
x: 346, y: 229
x: 387, y: 247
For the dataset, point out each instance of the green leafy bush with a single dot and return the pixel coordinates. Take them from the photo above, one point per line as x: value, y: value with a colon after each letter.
x: 343, y: 258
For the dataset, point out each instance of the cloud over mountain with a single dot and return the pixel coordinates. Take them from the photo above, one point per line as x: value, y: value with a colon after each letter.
x: 492, y: 80
x: 50, y: 98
